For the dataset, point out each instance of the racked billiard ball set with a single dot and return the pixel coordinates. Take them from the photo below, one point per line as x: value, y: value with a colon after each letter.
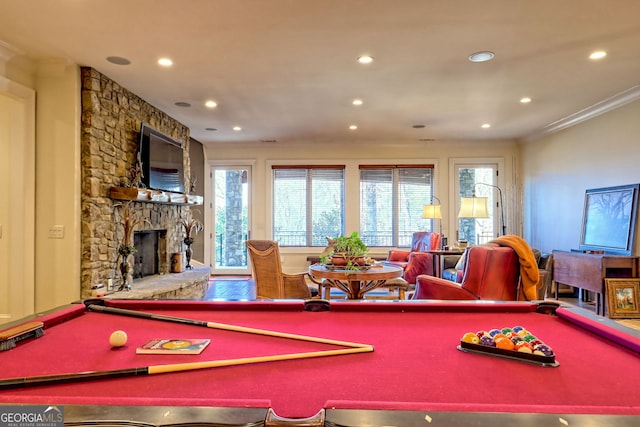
x: 515, y: 343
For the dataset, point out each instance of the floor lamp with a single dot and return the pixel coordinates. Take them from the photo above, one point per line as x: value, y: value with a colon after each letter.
x: 433, y: 212
x: 476, y: 207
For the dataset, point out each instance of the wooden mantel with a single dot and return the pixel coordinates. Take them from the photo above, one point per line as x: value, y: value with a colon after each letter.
x: 154, y: 196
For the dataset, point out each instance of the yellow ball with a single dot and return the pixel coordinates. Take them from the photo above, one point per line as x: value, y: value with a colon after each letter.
x: 118, y: 338
x: 470, y: 338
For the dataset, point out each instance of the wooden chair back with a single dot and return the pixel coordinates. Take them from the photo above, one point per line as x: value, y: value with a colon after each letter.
x: 266, y: 268
x: 271, y: 282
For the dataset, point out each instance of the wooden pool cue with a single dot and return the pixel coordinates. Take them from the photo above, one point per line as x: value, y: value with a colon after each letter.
x: 222, y: 326
x: 22, y: 382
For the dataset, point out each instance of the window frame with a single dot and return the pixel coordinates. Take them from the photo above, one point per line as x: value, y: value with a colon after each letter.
x: 308, y: 198
x: 396, y: 182
x: 352, y: 194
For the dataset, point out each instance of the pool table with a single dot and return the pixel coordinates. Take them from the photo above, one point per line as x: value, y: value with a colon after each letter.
x: 414, y: 376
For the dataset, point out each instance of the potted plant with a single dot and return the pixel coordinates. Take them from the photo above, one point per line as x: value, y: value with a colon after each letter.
x: 349, y: 251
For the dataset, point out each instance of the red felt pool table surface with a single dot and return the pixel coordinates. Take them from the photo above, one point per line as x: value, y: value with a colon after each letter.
x: 415, y: 365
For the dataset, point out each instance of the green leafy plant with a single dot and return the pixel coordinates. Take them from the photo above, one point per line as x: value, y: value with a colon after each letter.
x: 351, y: 247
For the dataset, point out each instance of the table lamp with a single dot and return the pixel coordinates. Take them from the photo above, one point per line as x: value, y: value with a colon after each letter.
x: 433, y: 212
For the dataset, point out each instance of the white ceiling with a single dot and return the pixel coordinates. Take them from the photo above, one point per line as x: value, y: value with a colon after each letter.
x: 286, y: 70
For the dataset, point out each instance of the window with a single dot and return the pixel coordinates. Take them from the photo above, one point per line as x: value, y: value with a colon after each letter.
x: 308, y: 204
x: 391, y: 200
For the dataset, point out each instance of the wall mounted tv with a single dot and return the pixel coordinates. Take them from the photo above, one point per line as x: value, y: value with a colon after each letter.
x: 162, y: 161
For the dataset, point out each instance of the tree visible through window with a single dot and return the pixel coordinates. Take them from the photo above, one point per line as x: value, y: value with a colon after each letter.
x: 308, y: 204
x: 391, y: 200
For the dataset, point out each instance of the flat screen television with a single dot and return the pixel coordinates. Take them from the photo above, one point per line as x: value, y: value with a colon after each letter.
x: 162, y: 161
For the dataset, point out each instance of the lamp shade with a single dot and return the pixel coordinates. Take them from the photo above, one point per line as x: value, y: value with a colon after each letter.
x: 473, y: 207
x: 431, y: 211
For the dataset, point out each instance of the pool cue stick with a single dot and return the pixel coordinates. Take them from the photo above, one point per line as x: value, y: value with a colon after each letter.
x: 22, y: 382
x: 222, y: 326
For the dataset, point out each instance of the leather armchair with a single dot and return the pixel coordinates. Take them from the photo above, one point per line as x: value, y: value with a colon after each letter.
x: 490, y: 272
x: 416, y: 261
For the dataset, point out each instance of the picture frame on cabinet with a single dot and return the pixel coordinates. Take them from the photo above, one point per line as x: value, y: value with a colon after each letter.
x: 623, y: 298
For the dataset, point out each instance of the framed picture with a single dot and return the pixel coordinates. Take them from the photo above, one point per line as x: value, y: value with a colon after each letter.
x: 623, y: 298
x: 609, y: 220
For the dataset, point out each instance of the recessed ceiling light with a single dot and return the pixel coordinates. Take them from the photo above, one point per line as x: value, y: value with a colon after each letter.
x: 598, y: 54
x: 211, y: 104
x: 525, y: 100
x: 182, y: 104
x: 353, y: 127
x: 357, y: 102
x: 486, y: 126
x: 118, y: 60
x: 481, y: 56
x: 237, y: 128
x: 365, y: 59
x: 165, y: 62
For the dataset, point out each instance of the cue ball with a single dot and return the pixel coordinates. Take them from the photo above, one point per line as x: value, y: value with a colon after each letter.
x: 118, y: 338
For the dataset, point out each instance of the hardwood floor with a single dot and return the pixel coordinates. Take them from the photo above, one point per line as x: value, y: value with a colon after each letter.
x: 231, y: 288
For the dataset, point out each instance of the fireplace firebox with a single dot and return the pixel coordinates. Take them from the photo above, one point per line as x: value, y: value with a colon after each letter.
x: 150, y: 248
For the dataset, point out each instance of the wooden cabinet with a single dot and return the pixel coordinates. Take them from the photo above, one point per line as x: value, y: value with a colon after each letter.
x: 588, y: 271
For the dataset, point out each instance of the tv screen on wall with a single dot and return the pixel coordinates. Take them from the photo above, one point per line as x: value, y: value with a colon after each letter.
x: 162, y: 161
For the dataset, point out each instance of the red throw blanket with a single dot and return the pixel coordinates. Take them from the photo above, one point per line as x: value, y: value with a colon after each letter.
x: 529, y: 273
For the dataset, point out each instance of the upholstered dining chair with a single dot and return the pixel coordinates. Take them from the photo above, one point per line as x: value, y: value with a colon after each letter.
x: 271, y: 282
x: 417, y: 260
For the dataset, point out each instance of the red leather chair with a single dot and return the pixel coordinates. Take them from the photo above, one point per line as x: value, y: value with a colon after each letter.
x: 416, y: 261
x: 490, y: 272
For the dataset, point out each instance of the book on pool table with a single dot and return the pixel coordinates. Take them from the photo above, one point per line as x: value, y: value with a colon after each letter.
x: 174, y: 346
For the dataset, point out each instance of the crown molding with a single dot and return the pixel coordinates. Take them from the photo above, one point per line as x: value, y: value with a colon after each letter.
x: 8, y: 51
x: 623, y: 98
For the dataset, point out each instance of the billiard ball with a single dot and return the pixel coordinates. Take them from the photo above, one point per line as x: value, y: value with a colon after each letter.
x: 517, y: 339
x: 544, y: 349
x: 487, y: 341
x: 470, y: 338
x: 118, y: 338
x: 505, y: 343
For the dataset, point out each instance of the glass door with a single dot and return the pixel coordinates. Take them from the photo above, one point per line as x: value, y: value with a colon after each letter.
x: 230, y: 212
x: 477, y: 180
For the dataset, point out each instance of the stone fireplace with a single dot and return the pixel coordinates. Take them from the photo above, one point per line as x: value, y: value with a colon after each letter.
x: 111, y: 120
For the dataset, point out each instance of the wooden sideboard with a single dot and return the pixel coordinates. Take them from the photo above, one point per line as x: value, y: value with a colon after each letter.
x: 588, y: 271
